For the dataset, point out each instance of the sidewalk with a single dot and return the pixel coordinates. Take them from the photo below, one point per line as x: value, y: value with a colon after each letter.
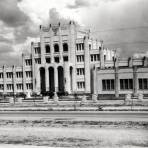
x: 78, y: 108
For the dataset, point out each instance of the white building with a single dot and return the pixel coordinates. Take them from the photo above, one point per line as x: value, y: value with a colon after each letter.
x: 63, y: 60
x: 67, y: 59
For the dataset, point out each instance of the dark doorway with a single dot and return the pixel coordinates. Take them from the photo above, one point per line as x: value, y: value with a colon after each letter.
x: 71, y: 69
x: 61, y: 78
x: 42, y: 80
x: 51, y: 79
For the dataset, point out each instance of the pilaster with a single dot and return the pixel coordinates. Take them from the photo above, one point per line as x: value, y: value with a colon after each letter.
x: 94, y: 81
x: 86, y: 65
x: 67, y: 77
x: 102, y: 56
x: 56, y: 78
x: 42, y: 43
x: 37, y: 79
x: 116, y: 67
x: 47, y: 78
x: 61, y: 45
x: 24, y: 74
x: 14, y: 79
x: 33, y: 66
x: 72, y: 44
x: 51, y: 44
x: 4, y: 79
x: 135, y: 81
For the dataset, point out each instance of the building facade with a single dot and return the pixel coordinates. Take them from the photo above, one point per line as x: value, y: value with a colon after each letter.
x: 67, y: 59
x: 63, y: 60
x: 121, y: 77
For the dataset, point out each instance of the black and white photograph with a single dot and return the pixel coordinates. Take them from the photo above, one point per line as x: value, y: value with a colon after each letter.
x: 73, y: 73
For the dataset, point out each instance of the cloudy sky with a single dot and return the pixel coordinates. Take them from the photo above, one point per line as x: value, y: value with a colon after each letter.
x: 122, y: 24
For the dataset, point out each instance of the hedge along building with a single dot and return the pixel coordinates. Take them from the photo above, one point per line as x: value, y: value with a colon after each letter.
x: 63, y: 60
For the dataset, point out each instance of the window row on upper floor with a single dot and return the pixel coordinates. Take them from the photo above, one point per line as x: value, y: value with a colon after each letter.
x: 19, y: 86
x: 18, y: 74
x: 93, y: 57
x: 56, y: 47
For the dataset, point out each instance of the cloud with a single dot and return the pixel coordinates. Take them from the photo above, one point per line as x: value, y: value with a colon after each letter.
x: 121, y: 24
x: 5, y: 40
x: 27, y: 30
x: 87, y: 3
x: 20, y: 19
x: 15, y: 18
x: 55, y: 17
x: 78, y: 4
x: 11, y: 15
x: 5, y: 48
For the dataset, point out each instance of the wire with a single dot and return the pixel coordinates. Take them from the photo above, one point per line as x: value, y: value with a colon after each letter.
x: 119, y: 43
x: 120, y: 29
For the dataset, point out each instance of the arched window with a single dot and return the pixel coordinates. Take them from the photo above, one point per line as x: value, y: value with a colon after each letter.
x: 65, y: 47
x: 56, y: 48
x: 47, y: 47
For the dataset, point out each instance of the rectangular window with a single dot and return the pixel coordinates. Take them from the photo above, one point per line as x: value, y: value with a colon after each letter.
x: 19, y: 74
x: 28, y: 74
x: 1, y: 86
x: 104, y: 57
x: 37, y: 50
x: 81, y: 85
x: 80, y: 46
x: 9, y: 86
x: 19, y: 86
x: 48, y: 60
x: 38, y: 60
x: 65, y: 58
x: 108, y: 84
x: 143, y: 83
x: 56, y: 59
x: 89, y: 46
x: 126, y: 84
x: 29, y: 86
x: 112, y: 85
x: 80, y: 71
x: 1, y: 75
x: 9, y: 74
x: 95, y: 57
x: 80, y: 58
x: 28, y: 62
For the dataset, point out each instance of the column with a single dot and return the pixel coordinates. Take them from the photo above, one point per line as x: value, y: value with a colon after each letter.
x: 102, y: 56
x: 116, y: 82
x: 145, y: 61
x: 87, y: 64
x: 95, y: 93
x: 24, y: 74
x: 97, y: 44
x: 42, y: 44
x: 135, y: 81
x: 51, y: 44
x: 72, y: 53
x: 56, y: 78
x: 61, y: 45
x: 33, y: 66
x: 130, y: 62
x: 14, y: 79
x: 4, y: 79
x: 37, y: 79
x: 47, y: 78
x: 94, y: 81
x: 67, y: 77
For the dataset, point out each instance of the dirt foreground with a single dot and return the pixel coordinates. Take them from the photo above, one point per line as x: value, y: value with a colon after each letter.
x: 70, y: 133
